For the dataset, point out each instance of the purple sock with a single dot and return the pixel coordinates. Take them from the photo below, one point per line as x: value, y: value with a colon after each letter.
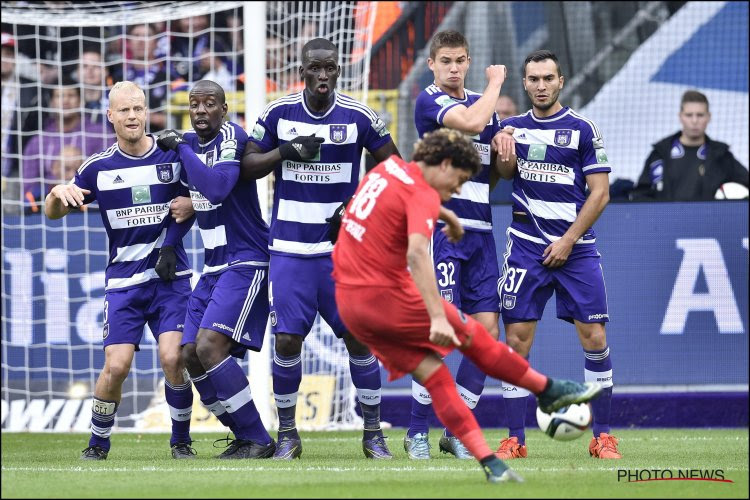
x: 365, y: 372
x: 515, y: 399
x: 208, y: 397
x: 180, y: 402
x: 287, y: 375
x: 102, y: 418
x: 598, y: 368
x: 421, y: 407
x: 233, y: 391
x: 470, y: 384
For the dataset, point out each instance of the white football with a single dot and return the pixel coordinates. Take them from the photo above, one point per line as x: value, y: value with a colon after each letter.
x: 732, y: 191
x: 567, y: 423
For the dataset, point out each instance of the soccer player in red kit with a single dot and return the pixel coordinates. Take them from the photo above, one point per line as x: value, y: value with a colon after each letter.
x: 397, y: 311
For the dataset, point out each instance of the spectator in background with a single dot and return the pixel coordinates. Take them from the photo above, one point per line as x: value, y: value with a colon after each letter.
x: 19, y: 100
x: 65, y: 127
x: 213, y: 68
x: 142, y: 67
x: 689, y: 165
x: 93, y: 77
x: 64, y: 167
x: 194, y: 41
x: 505, y: 107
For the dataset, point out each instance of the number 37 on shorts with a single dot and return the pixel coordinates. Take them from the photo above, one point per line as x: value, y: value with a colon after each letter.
x: 508, y: 286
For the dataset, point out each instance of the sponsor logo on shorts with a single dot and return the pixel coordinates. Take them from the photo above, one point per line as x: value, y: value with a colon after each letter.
x: 223, y: 327
x: 273, y: 318
x: 598, y: 316
x: 509, y: 301
x: 447, y: 295
x: 105, y: 332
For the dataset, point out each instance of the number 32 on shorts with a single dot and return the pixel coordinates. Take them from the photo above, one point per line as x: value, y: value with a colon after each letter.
x: 511, y: 281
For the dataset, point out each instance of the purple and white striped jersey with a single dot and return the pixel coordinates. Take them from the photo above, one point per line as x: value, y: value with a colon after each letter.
x: 307, y: 192
x: 134, y: 194
x: 226, y: 207
x: 555, y: 154
x: 472, y: 205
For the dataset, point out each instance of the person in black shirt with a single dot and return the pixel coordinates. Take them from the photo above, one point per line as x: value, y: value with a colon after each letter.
x: 688, y: 165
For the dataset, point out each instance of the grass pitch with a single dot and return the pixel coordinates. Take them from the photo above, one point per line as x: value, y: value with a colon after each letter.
x: 333, y: 466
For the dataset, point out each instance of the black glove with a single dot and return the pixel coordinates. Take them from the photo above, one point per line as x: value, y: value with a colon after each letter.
x: 335, y: 221
x: 169, y: 140
x: 166, y: 264
x: 301, y: 148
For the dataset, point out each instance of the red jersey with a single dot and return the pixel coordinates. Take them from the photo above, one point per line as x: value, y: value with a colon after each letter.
x: 392, y: 202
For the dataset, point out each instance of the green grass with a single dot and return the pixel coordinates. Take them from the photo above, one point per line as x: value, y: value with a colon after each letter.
x: 332, y: 465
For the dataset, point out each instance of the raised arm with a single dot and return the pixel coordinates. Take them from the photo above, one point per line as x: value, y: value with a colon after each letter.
x: 256, y: 164
x: 473, y: 119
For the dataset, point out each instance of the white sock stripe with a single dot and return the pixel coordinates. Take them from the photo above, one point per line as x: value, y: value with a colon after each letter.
x: 180, y: 414
x: 604, y: 377
x: 597, y: 356
x: 287, y: 363
x: 199, y: 378
x: 469, y: 397
x: 419, y: 393
x: 285, y: 400
x: 252, y: 292
x: 104, y: 432
x: 511, y: 391
x: 216, y: 408
x: 104, y: 418
x: 368, y: 396
x: 363, y: 362
x: 225, y: 360
x: 182, y: 387
x: 238, y: 400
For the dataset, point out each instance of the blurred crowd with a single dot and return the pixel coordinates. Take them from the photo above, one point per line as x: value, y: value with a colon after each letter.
x: 55, y: 86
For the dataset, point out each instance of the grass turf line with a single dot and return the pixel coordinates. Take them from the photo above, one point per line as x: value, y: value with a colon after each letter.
x: 333, y: 465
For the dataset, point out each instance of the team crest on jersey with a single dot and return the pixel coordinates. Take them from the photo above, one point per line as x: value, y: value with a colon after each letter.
x: 447, y: 295
x: 164, y: 172
x: 338, y: 133
x: 509, y: 301
x: 210, y: 158
x: 562, y: 137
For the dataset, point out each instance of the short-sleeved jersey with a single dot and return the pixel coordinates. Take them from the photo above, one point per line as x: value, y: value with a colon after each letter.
x: 134, y: 194
x: 555, y: 155
x: 307, y: 192
x: 233, y: 231
x: 392, y: 202
x: 472, y: 205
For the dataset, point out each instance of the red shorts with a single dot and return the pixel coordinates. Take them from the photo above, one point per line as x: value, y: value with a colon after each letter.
x: 394, y: 324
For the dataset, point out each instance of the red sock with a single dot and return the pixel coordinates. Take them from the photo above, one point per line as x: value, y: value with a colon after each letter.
x: 498, y: 360
x: 454, y: 414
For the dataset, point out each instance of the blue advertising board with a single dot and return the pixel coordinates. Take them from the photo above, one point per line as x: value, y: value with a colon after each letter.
x: 676, y: 275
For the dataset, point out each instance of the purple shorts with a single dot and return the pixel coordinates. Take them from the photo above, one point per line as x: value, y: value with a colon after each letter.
x: 467, y: 271
x: 527, y: 285
x: 233, y: 302
x: 299, y: 288
x: 160, y: 304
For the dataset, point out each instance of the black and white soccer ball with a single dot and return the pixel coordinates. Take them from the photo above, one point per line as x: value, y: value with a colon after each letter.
x: 567, y: 423
x: 732, y: 191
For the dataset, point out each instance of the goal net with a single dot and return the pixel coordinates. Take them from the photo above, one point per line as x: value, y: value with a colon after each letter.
x: 58, y: 61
